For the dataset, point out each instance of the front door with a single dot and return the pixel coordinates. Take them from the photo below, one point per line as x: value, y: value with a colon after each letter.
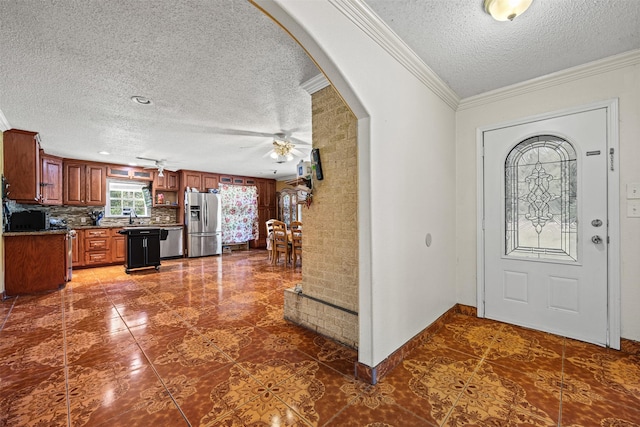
x: 545, y: 237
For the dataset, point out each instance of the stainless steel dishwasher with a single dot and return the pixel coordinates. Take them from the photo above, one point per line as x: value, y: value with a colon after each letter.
x: 172, y: 247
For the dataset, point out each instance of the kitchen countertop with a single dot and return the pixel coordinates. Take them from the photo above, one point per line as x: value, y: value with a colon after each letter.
x: 81, y: 227
x: 34, y: 233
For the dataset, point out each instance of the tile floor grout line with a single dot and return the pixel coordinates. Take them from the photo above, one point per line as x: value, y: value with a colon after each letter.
x: 13, y: 304
x: 65, y: 359
x: 155, y: 371
x: 466, y: 384
x: 564, y: 352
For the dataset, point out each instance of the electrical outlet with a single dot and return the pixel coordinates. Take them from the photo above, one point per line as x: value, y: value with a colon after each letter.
x: 83, y: 220
x: 166, y: 218
x: 157, y: 219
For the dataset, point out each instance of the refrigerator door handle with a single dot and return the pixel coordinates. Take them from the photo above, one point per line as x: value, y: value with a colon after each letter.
x: 206, y: 213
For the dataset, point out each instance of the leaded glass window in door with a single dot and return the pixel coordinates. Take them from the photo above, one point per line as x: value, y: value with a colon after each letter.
x: 541, y: 199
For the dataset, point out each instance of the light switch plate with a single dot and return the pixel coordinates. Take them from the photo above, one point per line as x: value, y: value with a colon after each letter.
x: 633, y: 209
x: 633, y: 190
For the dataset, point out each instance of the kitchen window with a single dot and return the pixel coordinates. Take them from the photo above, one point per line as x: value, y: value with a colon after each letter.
x: 125, y: 197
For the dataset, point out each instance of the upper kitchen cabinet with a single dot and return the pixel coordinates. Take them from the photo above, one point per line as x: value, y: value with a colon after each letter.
x: 51, y: 179
x: 209, y: 181
x: 201, y: 180
x: 85, y: 184
x: 192, y: 179
x: 128, y: 172
x: 169, y: 181
x: 166, y: 188
x: 22, y: 165
x: 238, y: 180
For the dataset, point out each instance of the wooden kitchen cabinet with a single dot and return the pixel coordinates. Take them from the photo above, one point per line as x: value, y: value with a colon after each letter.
x: 51, y: 179
x: 129, y: 172
x: 118, y: 246
x: 85, y: 184
x: 97, y: 246
x: 168, y: 186
x: 209, y: 181
x: 34, y: 262
x: 170, y: 181
x: 266, y: 208
x: 22, y: 165
x: 203, y: 181
x: 192, y: 179
x: 77, y: 251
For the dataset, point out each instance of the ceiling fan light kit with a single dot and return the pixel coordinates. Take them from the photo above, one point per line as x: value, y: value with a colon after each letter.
x: 506, y: 10
x: 282, y: 151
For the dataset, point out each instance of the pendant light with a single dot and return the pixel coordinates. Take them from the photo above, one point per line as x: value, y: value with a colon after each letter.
x: 506, y: 10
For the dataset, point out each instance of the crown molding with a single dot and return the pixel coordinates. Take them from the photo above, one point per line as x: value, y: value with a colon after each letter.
x: 4, y: 123
x: 367, y: 20
x: 314, y: 84
x: 589, y: 69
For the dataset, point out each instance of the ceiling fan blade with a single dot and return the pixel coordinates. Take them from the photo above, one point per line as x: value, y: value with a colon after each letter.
x: 298, y: 153
x: 146, y: 158
x: 241, y: 132
x: 299, y: 141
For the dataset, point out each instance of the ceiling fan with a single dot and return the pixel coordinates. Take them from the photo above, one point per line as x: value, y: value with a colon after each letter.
x: 160, y: 165
x: 283, y: 149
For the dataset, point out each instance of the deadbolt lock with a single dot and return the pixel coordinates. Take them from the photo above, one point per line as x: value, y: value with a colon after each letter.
x: 596, y: 223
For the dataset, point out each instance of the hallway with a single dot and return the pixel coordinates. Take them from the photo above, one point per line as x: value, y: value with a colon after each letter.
x: 203, y: 342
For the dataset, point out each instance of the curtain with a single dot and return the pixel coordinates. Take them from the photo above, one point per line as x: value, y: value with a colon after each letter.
x: 239, y: 213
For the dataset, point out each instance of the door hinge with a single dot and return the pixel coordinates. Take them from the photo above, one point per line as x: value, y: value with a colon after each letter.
x: 608, y: 240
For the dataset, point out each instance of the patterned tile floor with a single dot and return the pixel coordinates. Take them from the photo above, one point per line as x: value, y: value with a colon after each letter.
x: 202, y: 342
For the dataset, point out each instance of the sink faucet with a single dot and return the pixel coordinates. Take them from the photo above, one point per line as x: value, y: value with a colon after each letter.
x: 132, y: 212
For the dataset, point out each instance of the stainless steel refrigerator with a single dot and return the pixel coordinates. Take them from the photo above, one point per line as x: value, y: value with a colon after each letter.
x: 203, y: 223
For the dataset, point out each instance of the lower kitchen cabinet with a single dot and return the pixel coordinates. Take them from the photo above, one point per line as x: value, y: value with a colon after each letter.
x: 97, y: 246
x: 34, y: 262
x: 118, y: 247
x: 78, y: 249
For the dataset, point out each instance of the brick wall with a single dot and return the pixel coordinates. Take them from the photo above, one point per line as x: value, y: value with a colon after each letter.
x: 330, y: 239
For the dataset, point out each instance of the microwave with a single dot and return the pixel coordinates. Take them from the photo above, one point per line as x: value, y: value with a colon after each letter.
x: 29, y: 221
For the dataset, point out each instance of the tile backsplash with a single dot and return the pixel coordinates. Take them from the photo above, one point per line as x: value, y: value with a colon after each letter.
x: 75, y: 214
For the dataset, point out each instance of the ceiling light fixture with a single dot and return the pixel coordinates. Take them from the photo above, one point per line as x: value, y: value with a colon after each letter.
x: 282, y: 151
x: 104, y: 153
x: 141, y: 100
x: 506, y: 10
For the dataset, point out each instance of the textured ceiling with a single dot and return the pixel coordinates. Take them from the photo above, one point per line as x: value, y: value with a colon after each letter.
x: 473, y: 53
x: 223, y: 77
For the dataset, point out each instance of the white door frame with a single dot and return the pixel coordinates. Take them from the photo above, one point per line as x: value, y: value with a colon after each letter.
x: 613, y: 210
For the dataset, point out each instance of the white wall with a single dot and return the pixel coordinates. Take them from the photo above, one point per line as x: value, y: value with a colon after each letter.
x: 406, y: 161
x: 622, y: 83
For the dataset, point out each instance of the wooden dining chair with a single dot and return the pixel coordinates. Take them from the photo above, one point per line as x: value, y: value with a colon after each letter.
x: 280, y: 243
x: 269, y: 225
x: 296, y: 245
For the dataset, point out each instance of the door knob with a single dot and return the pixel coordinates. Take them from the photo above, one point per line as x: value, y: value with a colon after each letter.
x: 596, y: 239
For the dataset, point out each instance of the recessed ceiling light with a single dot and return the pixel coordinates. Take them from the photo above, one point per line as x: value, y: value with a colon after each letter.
x: 104, y: 153
x: 133, y: 164
x: 141, y: 100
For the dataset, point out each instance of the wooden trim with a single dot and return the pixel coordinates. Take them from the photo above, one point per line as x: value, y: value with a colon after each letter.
x: 374, y: 374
